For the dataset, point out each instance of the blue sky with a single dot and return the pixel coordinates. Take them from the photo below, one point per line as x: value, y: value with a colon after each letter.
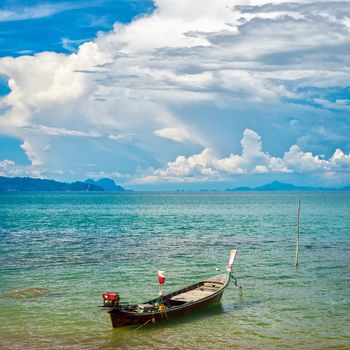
x: 32, y: 26
x: 176, y: 94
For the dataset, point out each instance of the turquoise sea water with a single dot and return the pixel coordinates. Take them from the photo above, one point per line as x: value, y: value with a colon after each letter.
x: 78, y: 245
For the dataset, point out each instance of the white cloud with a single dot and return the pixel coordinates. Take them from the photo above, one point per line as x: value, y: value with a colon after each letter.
x: 301, y: 161
x: 71, y: 45
x: 198, y: 167
x: 42, y: 129
x: 205, y: 166
x: 103, y: 174
x: 33, y: 12
x: 4, y: 164
x: 340, y: 160
x: 9, y: 168
x: 179, y: 134
x: 339, y: 104
x: 139, y: 84
x: 31, y: 154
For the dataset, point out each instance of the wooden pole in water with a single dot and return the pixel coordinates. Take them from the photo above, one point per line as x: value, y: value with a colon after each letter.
x: 298, y: 230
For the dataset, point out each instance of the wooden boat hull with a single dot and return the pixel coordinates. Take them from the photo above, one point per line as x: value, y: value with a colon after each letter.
x: 120, y: 318
x: 189, y: 299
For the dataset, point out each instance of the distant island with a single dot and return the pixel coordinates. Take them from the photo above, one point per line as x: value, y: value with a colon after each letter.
x: 21, y: 184
x: 280, y: 186
x: 105, y: 184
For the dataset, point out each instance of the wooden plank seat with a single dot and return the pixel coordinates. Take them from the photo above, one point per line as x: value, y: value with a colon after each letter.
x: 212, y: 289
x: 192, y: 295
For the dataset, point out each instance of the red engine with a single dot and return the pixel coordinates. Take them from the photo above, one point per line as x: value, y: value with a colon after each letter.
x: 110, y: 299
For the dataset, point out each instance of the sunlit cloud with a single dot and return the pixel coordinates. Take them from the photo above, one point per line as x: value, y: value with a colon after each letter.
x: 206, y: 166
x: 174, y: 89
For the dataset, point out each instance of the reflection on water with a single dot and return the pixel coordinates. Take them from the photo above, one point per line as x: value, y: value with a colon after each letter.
x: 77, y: 245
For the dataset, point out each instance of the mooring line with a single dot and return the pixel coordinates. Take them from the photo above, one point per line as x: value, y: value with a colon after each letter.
x: 141, y: 325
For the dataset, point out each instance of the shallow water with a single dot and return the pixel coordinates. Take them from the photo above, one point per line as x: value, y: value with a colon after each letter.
x: 78, y: 245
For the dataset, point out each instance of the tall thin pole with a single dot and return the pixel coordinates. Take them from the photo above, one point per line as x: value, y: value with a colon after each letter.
x: 298, y: 230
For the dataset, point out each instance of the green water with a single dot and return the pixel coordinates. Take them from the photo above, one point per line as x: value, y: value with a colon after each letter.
x: 80, y: 244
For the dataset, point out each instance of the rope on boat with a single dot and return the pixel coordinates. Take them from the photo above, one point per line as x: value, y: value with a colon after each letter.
x: 144, y: 324
x: 235, y: 283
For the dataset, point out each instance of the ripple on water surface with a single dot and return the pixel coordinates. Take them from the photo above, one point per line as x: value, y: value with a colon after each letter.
x: 77, y: 245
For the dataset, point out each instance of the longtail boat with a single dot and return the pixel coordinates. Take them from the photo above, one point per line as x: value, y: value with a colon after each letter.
x: 192, y: 298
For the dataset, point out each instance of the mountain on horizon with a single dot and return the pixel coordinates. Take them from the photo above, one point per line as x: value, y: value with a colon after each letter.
x: 280, y: 186
x: 13, y: 184
x: 276, y: 186
x: 19, y: 184
x: 106, y: 185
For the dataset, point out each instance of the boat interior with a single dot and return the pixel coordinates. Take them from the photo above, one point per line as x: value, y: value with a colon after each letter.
x: 198, y: 291
x: 189, y: 294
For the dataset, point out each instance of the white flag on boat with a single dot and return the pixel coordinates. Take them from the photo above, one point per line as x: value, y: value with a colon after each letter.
x: 161, y: 277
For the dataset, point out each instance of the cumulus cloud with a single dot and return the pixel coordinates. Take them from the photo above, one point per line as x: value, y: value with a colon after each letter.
x: 340, y: 160
x: 150, y: 82
x: 10, y: 169
x: 31, y: 154
x: 7, y: 167
x: 4, y: 164
x: 301, y: 161
x: 206, y: 166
